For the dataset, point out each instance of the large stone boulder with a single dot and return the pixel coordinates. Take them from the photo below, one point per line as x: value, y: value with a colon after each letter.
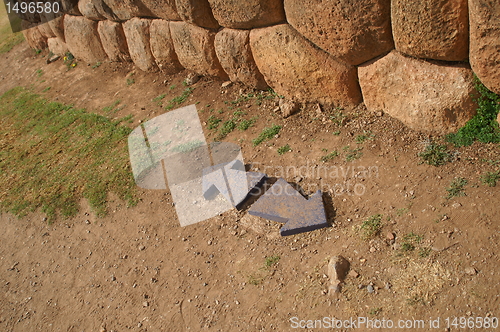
x: 89, y: 9
x: 57, y: 46
x: 197, y: 12
x: 83, y: 39
x: 353, y: 31
x: 33, y: 36
x: 426, y: 96
x: 45, y: 28
x: 69, y: 7
x: 431, y: 29
x: 235, y: 55
x: 113, y: 41
x: 195, y: 49
x: 164, y: 9
x: 138, y: 40
x: 485, y: 42
x: 162, y: 47
x: 248, y: 14
x: 122, y: 10
x: 297, y: 69
x: 55, y: 22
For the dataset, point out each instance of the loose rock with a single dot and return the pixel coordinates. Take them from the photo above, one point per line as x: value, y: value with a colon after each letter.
x: 288, y: 107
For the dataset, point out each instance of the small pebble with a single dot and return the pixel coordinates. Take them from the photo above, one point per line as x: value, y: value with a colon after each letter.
x: 370, y: 289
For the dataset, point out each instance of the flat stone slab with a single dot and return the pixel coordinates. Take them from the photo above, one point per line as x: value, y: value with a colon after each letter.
x: 282, y: 203
x: 231, y: 180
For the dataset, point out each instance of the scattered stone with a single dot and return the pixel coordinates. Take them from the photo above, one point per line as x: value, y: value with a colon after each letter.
x: 437, y: 98
x: 192, y: 78
x: 297, y: 179
x: 353, y: 31
x: 390, y: 236
x: 470, y: 271
x: 373, y: 249
x: 103, y: 329
x: 145, y: 304
x: 338, y: 267
x: 142, y: 247
x: 288, y: 107
x: 370, y: 289
x: 456, y: 205
x: 113, y: 278
x: 226, y: 84
x: 353, y: 274
x: 388, y: 285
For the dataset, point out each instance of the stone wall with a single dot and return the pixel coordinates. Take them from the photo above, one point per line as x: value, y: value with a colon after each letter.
x: 414, y: 60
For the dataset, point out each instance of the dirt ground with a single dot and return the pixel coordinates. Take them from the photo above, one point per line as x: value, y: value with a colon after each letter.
x: 138, y: 270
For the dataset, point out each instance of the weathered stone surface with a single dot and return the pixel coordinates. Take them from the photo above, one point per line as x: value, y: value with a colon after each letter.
x: 338, y: 267
x: 33, y: 36
x: 113, y: 40
x: 162, y: 47
x: 122, y: 10
x: 57, y: 46
x: 485, y: 42
x: 195, y: 49
x: 248, y: 14
x: 288, y: 107
x: 138, y: 40
x: 70, y: 7
x: 234, y: 53
x: 83, y: 39
x: 354, y: 31
x: 432, y: 29
x: 165, y: 9
x: 45, y: 28
x: 426, y: 96
x: 89, y: 10
x: 30, y: 17
x: 56, y: 23
x: 197, y: 12
x: 297, y: 69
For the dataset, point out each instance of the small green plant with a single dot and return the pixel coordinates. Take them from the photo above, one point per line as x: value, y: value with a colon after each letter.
x: 46, y: 89
x: 226, y: 128
x: 371, y: 227
x: 375, y: 311
x: 329, y: 156
x: 39, y: 72
x: 96, y: 65
x: 172, y: 87
x: 336, y: 132
x: 457, y: 188
x: 401, y: 211
x: 483, y: 126
x: 424, y: 252
x: 284, y: 149
x: 352, y: 154
x: 239, y: 113
x: 245, y: 124
x: 38, y: 51
x: 179, y: 99
x: 338, y: 118
x: 130, y: 81
x: 410, y: 240
x: 213, y: 122
x: 435, y: 154
x: 158, y: 100
x: 267, y: 134
x: 367, y: 135
x: 112, y: 108
x: 69, y: 60
x: 490, y: 178
x: 253, y: 280
x: 272, y: 260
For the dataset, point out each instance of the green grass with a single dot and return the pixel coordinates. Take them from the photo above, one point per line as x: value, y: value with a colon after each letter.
x: 366, y: 136
x: 272, y: 260
x: 8, y: 39
x: 435, y: 154
x: 329, y: 156
x: 490, y: 178
x: 457, y: 188
x: 245, y: 124
x: 352, y: 154
x: 53, y: 155
x: 266, y: 134
x: 284, y: 149
x: 483, y: 126
x: 179, y: 99
x: 96, y: 65
x: 410, y: 240
x: 213, y: 122
x: 226, y: 128
x: 158, y: 100
x: 371, y: 227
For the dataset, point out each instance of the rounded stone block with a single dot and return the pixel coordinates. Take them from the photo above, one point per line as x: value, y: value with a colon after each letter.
x: 248, y: 14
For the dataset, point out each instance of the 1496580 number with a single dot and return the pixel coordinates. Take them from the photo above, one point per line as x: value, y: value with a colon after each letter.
x: 33, y: 7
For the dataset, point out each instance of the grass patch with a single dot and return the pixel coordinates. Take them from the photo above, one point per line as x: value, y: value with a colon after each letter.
x: 213, y: 122
x: 371, y: 227
x: 364, y: 137
x: 96, y: 65
x: 435, y: 154
x: 245, y: 124
x: 158, y: 100
x: 226, y: 128
x: 272, y: 260
x: 179, y: 99
x: 490, y: 178
x: 284, y: 149
x: 53, y: 155
x: 266, y: 134
x: 410, y: 241
x: 329, y: 156
x: 483, y: 126
x: 457, y: 188
x: 352, y: 154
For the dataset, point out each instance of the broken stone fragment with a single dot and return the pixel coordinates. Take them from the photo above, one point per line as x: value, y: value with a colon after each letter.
x: 338, y: 267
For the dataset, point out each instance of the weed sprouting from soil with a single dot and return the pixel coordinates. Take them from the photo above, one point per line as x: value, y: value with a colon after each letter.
x: 435, y: 154
x: 266, y: 134
x: 457, y: 188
